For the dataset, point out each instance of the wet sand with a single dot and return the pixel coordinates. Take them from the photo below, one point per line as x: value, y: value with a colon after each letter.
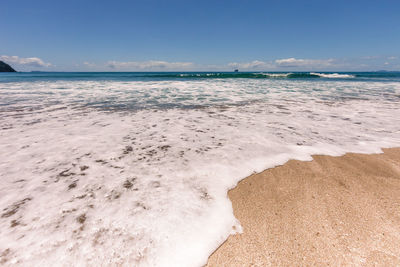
x: 332, y: 211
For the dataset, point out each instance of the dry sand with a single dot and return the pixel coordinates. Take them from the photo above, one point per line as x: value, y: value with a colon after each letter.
x: 332, y: 211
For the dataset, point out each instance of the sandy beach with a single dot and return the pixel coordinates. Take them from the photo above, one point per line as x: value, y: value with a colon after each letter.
x: 332, y: 211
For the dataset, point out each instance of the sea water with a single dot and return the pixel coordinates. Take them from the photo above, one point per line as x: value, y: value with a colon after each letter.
x: 133, y: 169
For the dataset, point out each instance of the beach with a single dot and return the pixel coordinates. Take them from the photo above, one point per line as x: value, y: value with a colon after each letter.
x: 178, y: 134
x: 135, y: 168
x: 331, y: 211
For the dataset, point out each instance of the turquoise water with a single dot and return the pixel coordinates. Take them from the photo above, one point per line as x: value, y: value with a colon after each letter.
x: 139, y: 76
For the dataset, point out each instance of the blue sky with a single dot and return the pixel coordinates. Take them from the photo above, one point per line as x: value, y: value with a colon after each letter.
x: 200, y: 35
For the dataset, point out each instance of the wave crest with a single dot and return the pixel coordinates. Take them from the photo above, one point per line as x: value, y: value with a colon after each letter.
x: 332, y: 75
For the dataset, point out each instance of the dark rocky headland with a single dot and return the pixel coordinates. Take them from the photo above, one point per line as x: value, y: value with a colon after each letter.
x: 4, y: 67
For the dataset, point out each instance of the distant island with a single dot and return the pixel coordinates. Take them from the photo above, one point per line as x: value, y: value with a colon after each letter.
x: 4, y: 67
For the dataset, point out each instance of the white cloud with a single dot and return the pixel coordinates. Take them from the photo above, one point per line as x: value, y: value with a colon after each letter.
x: 309, y: 63
x: 392, y: 58
x: 256, y: 64
x: 149, y: 65
x: 369, y: 57
x: 285, y: 63
x: 28, y: 61
x: 88, y: 64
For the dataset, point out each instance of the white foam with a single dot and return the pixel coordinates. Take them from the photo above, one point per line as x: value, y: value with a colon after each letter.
x: 83, y: 184
x: 333, y: 75
x: 276, y: 75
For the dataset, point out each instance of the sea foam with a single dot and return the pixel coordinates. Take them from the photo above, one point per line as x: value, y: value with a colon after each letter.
x: 137, y: 173
x: 332, y: 75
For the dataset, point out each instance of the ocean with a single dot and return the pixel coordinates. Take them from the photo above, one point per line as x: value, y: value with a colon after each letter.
x: 134, y: 168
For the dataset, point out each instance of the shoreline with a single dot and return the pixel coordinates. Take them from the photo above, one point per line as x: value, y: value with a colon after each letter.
x: 329, y: 211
